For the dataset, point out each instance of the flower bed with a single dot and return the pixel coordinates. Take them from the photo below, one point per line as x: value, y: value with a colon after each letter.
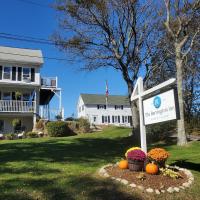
x: 151, y: 183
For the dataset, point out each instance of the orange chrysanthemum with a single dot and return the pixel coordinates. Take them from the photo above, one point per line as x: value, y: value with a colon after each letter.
x: 158, y: 154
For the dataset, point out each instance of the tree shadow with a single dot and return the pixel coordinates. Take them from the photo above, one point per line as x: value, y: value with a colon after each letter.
x: 84, y: 187
x: 187, y: 164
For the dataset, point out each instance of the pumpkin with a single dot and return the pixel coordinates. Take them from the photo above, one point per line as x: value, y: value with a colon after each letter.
x: 151, y: 168
x: 123, y: 164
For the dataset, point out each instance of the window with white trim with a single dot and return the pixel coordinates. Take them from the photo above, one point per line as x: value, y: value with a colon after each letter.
x: 125, y: 119
x: 26, y: 73
x: 115, y: 119
x: 7, y: 73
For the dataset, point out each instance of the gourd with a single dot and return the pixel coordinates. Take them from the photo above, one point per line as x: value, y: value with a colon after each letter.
x: 151, y: 168
x: 123, y: 164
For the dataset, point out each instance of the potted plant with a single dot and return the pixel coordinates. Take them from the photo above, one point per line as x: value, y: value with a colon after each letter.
x: 136, y: 160
x: 158, y: 155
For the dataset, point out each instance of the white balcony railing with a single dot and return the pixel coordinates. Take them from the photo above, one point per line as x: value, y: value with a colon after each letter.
x: 49, y: 82
x: 17, y: 106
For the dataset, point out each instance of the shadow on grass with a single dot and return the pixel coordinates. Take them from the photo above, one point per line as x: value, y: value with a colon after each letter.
x: 84, y: 187
x: 79, y: 150
x: 188, y: 165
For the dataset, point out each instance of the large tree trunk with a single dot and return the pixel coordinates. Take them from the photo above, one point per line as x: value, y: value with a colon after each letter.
x: 181, y: 139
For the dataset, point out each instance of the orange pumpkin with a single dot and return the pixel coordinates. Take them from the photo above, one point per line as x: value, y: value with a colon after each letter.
x: 123, y: 164
x: 151, y: 168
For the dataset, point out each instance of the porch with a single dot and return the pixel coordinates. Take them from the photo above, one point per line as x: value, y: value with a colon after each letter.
x: 17, y: 106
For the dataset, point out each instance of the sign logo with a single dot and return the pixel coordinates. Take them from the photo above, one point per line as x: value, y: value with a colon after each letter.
x: 157, y: 102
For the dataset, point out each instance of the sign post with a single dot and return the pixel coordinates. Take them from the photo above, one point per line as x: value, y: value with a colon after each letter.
x: 139, y: 94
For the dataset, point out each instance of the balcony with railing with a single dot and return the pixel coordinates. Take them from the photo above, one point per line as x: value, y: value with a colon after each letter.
x: 49, y: 82
x: 17, y: 106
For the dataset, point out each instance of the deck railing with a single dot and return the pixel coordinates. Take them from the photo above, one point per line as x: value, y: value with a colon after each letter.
x: 49, y: 82
x: 17, y: 106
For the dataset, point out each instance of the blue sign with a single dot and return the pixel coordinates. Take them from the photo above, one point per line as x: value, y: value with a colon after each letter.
x: 157, y: 102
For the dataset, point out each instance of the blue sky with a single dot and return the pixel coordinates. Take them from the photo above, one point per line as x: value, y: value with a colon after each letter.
x: 23, y: 18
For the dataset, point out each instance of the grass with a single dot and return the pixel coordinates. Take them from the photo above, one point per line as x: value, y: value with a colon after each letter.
x: 66, y: 168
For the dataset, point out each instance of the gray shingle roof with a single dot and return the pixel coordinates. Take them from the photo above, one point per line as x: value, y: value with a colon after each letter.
x: 19, y: 55
x: 101, y: 99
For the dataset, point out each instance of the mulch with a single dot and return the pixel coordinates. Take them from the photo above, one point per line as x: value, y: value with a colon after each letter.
x: 151, y: 181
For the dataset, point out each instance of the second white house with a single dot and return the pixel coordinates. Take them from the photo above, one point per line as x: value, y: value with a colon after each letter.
x: 116, y: 111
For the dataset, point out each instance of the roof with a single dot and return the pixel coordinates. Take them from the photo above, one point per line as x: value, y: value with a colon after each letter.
x: 95, y: 99
x: 18, y: 55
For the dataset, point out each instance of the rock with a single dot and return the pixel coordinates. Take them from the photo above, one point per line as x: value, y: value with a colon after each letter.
x: 191, y: 178
x: 163, y: 191
x: 170, y: 190
x: 186, y: 184
x: 132, y: 185
x: 102, y: 171
x: 106, y: 175
x: 140, y: 187
x: 157, y: 191
x: 150, y: 190
x: 118, y: 179
x: 176, y: 189
x: 181, y: 187
x: 125, y: 182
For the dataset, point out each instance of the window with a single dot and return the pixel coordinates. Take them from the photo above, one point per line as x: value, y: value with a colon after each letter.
x: 118, y: 119
x: 26, y: 74
x: 105, y: 119
x: 125, y: 119
x: 7, y: 73
x: 1, y: 125
x: 33, y: 75
x: 6, y: 96
x: 118, y: 107
x: 101, y: 106
x: 79, y: 108
x: 82, y: 107
x: 94, y: 118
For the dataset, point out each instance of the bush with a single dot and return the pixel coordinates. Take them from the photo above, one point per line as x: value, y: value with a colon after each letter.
x: 31, y: 135
x: 58, y: 129
x: 10, y: 136
x: 73, y: 125
x: 84, y: 125
x: 16, y: 123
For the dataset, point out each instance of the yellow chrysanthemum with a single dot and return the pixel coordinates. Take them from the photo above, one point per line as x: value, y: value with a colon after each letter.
x: 131, y: 149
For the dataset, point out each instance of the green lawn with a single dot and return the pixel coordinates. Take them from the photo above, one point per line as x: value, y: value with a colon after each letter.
x: 66, y: 168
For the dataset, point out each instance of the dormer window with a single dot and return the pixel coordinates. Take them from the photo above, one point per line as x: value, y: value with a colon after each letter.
x: 7, y: 73
x: 26, y: 74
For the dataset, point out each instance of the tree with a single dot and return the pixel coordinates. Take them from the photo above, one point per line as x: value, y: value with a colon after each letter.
x: 118, y: 34
x: 177, y: 23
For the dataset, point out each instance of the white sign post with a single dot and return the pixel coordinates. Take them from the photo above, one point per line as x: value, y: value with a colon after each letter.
x: 139, y: 93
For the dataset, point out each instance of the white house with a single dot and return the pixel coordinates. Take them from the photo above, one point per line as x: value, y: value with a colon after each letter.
x: 116, y: 111
x: 24, y: 94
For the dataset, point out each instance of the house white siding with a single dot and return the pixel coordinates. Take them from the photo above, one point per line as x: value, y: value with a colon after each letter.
x: 100, y: 114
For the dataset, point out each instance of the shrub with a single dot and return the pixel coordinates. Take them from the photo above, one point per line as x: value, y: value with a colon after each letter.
x: 10, y: 136
x: 16, y: 123
x: 58, y: 129
x: 73, y: 125
x: 84, y: 125
x: 31, y: 135
x: 136, y: 154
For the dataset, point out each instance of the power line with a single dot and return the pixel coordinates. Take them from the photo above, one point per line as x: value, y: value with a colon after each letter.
x: 35, y: 3
x: 45, y: 57
x: 23, y: 36
x: 26, y: 40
